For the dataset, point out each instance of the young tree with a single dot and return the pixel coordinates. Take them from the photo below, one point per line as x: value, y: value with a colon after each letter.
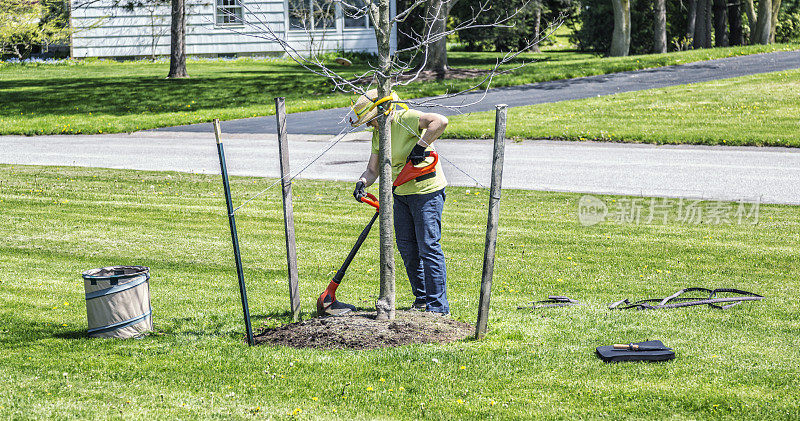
x: 621, y: 37
x: 393, y: 68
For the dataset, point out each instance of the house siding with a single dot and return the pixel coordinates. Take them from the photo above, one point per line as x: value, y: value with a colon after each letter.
x: 100, y: 31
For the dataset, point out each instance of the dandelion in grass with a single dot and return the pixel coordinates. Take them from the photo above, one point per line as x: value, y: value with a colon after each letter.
x: 369, y: 388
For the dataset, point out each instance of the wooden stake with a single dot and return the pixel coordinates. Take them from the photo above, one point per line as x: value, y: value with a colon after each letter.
x: 234, y: 236
x: 493, y: 217
x: 288, y: 215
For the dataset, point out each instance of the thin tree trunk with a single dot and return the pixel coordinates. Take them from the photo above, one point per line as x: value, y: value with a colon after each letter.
x: 385, y: 305
x: 537, y: 25
x: 660, y: 27
x: 720, y: 23
x: 735, y: 22
x: 177, y: 53
x: 621, y: 37
x: 763, y: 23
x: 692, y: 14
x: 776, y: 9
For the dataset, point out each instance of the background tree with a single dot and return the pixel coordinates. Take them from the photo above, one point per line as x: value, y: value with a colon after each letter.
x: 528, y: 23
x: 702, y: 25
x: 177, y: 50
x: 735, y: 35
x: 691, y: 16
x: 437, y: 12
x: 621, y: 37
x: 720, y: 23
x: 660, y: 27
x: 26, y: 26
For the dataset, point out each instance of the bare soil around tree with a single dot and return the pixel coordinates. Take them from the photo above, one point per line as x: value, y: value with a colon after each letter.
x: 360, y: 330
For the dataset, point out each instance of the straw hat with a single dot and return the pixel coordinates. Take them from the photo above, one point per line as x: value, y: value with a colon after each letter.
x: 368, y: 105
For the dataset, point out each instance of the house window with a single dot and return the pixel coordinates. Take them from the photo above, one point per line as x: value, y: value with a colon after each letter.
x: 311, y: 14
x: 229, y: 12
x: 355, y: 14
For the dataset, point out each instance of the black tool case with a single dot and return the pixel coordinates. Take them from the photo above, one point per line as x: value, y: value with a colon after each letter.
x: 611, y: 355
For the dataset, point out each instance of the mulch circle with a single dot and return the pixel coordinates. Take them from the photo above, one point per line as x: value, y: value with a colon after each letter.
x: 360, y: 330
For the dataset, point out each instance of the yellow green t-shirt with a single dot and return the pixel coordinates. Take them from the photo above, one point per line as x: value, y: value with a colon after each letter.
x: 405, y: 134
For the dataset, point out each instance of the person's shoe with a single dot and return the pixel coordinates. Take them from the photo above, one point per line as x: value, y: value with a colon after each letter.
x: 438, y: 314
x: 417, y: 307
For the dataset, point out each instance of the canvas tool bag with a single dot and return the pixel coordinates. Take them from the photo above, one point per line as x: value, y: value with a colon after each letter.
x: 118, y: 301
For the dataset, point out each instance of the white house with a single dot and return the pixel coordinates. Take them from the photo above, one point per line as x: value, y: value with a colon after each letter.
x: 220, y: 28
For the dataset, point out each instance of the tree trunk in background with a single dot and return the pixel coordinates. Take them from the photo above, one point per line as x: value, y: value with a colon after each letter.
x: 537, y: 25
x: 660, y: 27
x: 763, y: 26
x: 177, y: 51
x: 776, y: 9
x: 690, y: 19
x: 437, y: 12
x: 385, y: 305
x: 751, y: 16
x: 621, y: 38
x: 735, y: 22
x: 702, y: 25
x: 720, y: 23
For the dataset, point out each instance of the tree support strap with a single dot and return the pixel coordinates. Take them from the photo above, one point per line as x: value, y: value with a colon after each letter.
x: 551, y: 301
x: 675, y: 300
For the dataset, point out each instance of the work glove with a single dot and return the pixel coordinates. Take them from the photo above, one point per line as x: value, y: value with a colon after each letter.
x: 417, y: 155
x: 359, y: 192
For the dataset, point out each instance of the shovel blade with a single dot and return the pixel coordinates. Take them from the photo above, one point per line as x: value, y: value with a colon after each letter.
x: 334, y: 308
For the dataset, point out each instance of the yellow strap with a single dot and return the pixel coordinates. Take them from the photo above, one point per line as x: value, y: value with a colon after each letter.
x: 387, y: 98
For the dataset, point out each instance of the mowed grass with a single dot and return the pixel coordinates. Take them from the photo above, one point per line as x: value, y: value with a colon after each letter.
x: 110, y: 97
x: 58, y: 221
x: 759, y: 110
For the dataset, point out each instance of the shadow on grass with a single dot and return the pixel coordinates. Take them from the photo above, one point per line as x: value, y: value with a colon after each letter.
x: 118, y: 96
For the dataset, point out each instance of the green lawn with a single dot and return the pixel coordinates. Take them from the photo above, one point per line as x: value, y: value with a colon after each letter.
x: 759, y: 110
x: 106, y: 97
x: 56, y: 222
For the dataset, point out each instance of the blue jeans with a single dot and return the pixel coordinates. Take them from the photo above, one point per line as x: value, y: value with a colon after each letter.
x: 418, y: 229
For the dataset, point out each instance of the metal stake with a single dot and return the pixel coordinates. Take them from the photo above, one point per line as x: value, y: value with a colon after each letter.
x: 493, y: 217
x: 234, y: 236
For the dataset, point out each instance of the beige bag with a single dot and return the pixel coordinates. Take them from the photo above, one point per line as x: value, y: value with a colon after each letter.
x: 118, y: 301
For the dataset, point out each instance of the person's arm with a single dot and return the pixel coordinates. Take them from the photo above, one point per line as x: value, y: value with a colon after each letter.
x: 371, y: 173
x: 434, y: 125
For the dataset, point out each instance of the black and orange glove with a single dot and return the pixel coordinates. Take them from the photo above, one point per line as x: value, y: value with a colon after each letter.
x: 360, y: 191
x: 417, y: 155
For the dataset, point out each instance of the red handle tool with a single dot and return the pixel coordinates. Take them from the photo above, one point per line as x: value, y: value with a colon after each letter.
x: 327, y: 303
x: 410, y: 172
